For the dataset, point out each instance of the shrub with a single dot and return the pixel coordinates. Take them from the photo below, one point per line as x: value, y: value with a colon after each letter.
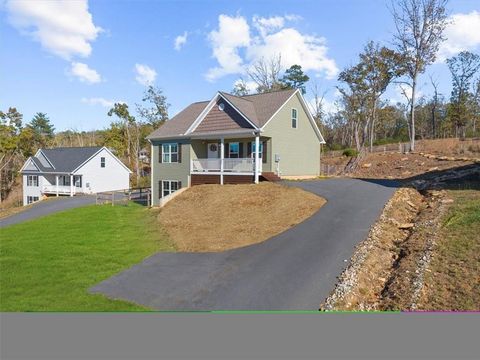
x: 350, y: 152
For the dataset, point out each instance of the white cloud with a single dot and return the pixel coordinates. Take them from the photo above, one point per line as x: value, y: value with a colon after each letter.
x: 268, y: 25
x: 85, y: 73
x: 232, y: 33
x: 180, y: 40
x: 64, y: 28
x: 463, y: 33
x: 100, y: 101
x: 145, y: 75
x: 267, y: 38
x: 251, y: 85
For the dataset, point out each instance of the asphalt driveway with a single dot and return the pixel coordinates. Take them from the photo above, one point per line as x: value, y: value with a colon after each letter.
x: 48, y: 207
x: 294, y: 270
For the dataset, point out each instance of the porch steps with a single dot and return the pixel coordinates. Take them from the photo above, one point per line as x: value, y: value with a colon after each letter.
x: 270, y: 176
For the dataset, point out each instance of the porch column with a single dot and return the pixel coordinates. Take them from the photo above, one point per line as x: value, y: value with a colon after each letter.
x: 222, y: 155
x: 257, y: 158
x: 56, y: 184
x: 71, y: 185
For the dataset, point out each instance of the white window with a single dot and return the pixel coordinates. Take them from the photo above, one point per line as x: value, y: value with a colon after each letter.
x: 294, y: 118
x: 169, y: 187
x: 234, y: 150
x: 102, y: 162
x: 32, y: 180
x: 31, y: 199
x: 170, y: 153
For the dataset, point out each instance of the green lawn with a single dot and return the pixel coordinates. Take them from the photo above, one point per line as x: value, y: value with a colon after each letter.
x: 49, y: 263
x: 454, y: 280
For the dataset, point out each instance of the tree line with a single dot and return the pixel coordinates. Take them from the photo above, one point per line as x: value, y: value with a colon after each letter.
x: 363, y: 117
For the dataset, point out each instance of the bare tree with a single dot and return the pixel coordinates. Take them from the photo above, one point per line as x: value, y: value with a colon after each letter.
x: 434, y: 83
x: 318, y: 99
x: 419, y: 32
x: 266, y: 74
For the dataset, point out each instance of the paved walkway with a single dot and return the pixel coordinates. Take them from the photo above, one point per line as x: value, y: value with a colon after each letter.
x: 295, y: 270
x: 48, y: 207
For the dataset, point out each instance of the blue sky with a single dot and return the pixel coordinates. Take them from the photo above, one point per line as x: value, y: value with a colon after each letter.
x: 73, y: 59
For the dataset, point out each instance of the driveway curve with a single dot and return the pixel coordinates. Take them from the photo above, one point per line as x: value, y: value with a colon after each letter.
x: 295, y: 270
x: 48, y: 207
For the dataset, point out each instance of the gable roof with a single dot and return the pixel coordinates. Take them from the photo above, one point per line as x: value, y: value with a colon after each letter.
x: 257, y: 109
x: 179, y: 124
x: 63, y: 159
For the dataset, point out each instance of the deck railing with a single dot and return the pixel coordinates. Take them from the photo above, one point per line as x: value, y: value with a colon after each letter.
x: 230, y: 165
x: 62, y: 189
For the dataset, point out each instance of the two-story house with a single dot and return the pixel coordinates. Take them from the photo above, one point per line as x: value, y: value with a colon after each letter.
x: 235, y: 139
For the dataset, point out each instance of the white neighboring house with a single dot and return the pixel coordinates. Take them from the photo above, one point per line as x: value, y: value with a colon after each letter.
x: 71, y: 171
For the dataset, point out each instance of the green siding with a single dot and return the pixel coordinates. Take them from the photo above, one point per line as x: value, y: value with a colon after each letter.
x: 174, y: 171
x: 299, y: 148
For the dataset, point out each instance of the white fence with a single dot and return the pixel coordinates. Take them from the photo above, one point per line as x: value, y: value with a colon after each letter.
x: 241, y: 165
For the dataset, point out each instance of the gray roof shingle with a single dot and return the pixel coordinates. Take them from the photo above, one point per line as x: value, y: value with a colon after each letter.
x: 65, y: 159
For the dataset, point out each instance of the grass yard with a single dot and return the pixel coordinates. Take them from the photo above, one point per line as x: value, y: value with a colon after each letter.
x: 454, y: 280
x: 221, y: 217
x: 49, y: 263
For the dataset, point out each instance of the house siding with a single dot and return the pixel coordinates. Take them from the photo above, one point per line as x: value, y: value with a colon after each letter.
x: 299, y: 148
x: 173, y: 171
x: 112, y: 177
x: 33, y: 190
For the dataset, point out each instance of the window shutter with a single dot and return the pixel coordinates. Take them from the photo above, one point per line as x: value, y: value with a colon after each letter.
x: 249, y: 149
x: 179, y: 184
x: 160, y: 157
x: 226, y: 150
x: 179, y: 147
x: 240, y: 151
x: 264, y: 152
x: 160, y: 189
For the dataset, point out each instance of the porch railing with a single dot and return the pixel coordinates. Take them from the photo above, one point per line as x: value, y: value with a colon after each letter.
x: 241, y: 165
x: 62, y: 189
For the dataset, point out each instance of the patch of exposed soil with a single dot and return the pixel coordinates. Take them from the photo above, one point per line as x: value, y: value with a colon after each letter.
x: 216, y: 218
x: 402, y: 166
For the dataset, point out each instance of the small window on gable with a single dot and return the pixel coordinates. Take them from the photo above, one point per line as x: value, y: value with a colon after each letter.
x: 102, y: 162
x: 294, y: 118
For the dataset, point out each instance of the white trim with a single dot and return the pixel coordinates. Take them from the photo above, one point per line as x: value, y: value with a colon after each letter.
x: 202, y: 115
x: 26, y: 162
x: 278, y: 110
x: 257, y: 158
x: 255, y: 127
x: 170, y: 152
x: 209, y: 107
x: 312, y: 120
x: 169, y: 187
x: 307, y: 111
x: 296, y: 118
x: 91, y: 157
x: 222, y: 157
x: 249, y: 173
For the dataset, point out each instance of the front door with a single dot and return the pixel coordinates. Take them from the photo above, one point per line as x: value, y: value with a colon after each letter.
x: 212, y: 150
x: 213, y: 158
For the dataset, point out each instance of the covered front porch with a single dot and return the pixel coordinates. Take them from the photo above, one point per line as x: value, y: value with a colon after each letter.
x: 228, y: 159
x: 62, y: 184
